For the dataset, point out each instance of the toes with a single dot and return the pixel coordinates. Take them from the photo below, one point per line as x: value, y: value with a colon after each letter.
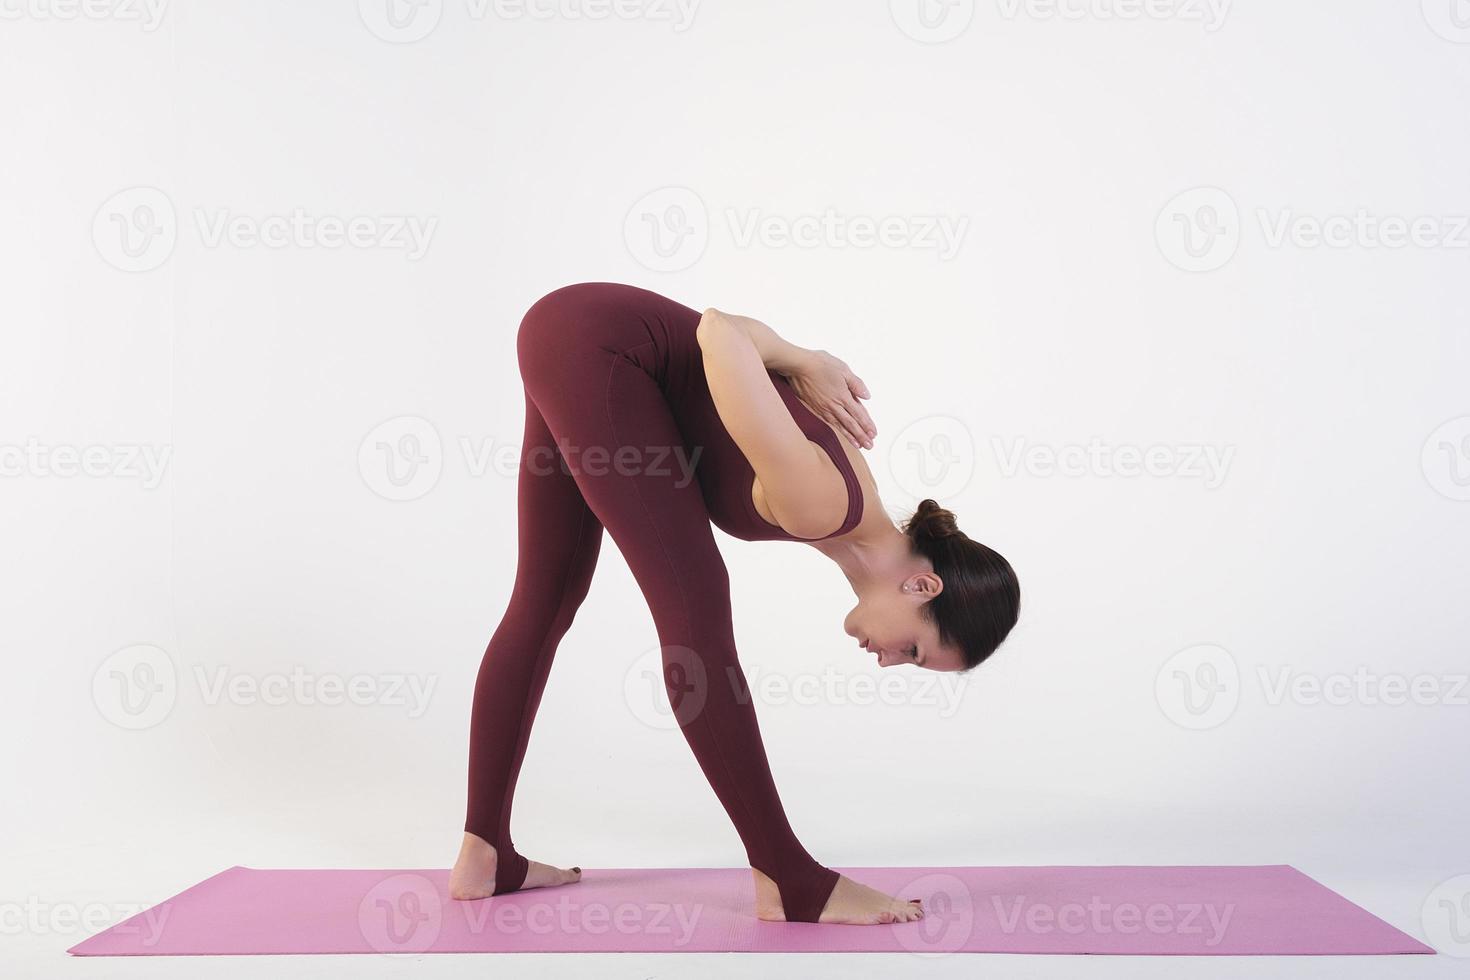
x: 907, y: 912
x: 540, y: 875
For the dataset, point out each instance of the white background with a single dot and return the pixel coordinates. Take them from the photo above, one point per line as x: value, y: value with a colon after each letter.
x: 538, y: 151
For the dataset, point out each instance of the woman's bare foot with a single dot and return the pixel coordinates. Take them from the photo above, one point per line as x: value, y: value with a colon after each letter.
x: 849, y: 904
x: 473, y: 876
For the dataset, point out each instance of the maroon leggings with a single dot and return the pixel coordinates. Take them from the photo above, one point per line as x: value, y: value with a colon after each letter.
x: 615, y: 368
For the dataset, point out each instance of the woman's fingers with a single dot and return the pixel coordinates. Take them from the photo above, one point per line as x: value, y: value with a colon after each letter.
x: 860, y: 390
x: 855, y: 430
x: 839, y: 421
x: 860, y: 415
x: 838, y: 395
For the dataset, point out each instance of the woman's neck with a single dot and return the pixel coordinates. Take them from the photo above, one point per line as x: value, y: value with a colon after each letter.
x: 874, y: 551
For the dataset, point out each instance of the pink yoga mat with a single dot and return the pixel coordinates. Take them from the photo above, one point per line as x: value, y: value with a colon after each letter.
x: 1193, y: 911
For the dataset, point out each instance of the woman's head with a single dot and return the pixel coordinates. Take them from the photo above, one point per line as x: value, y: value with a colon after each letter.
x: 945, y: 605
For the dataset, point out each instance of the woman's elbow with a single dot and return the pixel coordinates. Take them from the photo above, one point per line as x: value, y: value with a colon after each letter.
x: 710, y: 322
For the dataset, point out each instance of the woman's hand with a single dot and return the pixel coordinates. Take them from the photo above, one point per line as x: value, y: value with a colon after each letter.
x: 827, y: 386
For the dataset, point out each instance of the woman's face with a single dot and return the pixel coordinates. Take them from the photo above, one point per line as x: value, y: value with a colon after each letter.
x: 888, y: 624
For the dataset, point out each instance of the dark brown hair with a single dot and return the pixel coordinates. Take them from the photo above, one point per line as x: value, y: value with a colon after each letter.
x: 981, y: 598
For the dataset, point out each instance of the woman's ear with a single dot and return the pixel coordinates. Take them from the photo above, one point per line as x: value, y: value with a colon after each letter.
x: 923, y: 584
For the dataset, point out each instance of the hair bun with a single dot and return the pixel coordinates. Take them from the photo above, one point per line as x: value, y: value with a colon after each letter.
x: 931, y: 521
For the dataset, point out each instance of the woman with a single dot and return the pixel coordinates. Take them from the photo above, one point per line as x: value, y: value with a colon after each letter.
x: 624, y: 388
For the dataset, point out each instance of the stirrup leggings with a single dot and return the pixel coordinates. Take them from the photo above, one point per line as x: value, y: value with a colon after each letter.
x: 587, y: 386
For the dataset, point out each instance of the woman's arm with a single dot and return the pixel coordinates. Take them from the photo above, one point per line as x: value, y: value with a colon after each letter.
x: 778, y: 354
x: 824, y: 383
x: 802, y: 487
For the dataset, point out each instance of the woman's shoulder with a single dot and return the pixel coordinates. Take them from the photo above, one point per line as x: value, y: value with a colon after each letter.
x: 816, y: 506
